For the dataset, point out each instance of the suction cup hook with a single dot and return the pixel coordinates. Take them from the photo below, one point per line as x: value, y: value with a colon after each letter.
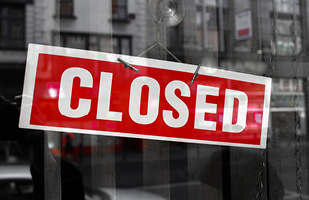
x: 167, y: 12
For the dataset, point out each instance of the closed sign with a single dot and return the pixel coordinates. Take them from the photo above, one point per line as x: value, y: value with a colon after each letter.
x: 91, y: 92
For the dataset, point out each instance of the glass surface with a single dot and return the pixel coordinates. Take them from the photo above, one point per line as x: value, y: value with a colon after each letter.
x: 125, y: 49
x: 12, y: 27
x: 119, y: 9
x: 76, y: 41
x: 62, y: 164
x: 116, y: 45
x: 66, y: 8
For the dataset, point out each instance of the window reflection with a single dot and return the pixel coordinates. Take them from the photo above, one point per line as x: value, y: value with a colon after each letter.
x: 119, y: 167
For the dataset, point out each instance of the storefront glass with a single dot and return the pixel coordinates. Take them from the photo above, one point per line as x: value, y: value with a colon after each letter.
x: 266, y: 38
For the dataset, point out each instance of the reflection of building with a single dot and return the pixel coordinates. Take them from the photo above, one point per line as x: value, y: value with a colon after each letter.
x: 212, y: 33
x: 13, y: 45
x: 209, y: 26
x: 82, y: 25
x: 83, y: 29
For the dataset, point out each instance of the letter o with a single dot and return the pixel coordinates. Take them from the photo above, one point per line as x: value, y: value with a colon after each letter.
x: 135, y: 100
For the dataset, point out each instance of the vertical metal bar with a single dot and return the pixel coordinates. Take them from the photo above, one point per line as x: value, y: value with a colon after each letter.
x: 226, y: 173
x: 190, y: 56
x: 306, y: 92
x: 231, y: 27
x: 204, y: 22
x: 199, y: 157
x: 52, y: 162
x: 102, y: 147
x: 52, y: 166
x: 297, y: 128
x: 221, y: 26
x: 156, y: 159
x: 304, y: 32
x: 156, y: 168
x: 190, y: 42
x: 103, y: 163
x: 256, y: 35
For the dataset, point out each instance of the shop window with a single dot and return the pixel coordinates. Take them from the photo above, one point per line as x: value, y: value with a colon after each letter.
x: 66, y: 8
x: 12, y: 27
x: 119, y: 9
x: 122, y: 45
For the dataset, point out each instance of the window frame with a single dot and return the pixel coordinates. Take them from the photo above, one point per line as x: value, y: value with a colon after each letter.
x: 66, y: 34
x: 69, y: 16
x: 117, y: 19
x: 119, y: 38
x: 9, y: 19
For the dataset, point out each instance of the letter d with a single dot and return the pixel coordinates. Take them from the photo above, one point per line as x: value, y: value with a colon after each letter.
x: 240, y: 125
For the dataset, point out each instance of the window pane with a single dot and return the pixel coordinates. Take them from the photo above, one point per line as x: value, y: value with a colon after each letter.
x: 122, y: 2
x: 116, y: 48
x: 16, y: 13
x: 17, y: 30
x: 12, y: 27
x: 121, y: 13
x: 76, y: 41
x: 4, y: 28
x: 125, y: 46
x: 4, y: 11
x: 93, y: 43
x: 66, y: 7
x: 119, y: 9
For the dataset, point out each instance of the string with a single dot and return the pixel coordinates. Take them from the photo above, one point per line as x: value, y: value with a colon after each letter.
x: 159, y: 43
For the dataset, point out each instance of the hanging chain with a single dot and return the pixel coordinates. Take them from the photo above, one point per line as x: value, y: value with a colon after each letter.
x: 273, y: 34
x: 261, y: 174
x: 272, y: 53
x: 298, y: 145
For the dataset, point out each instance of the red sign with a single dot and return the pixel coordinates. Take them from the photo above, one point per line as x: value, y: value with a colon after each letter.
x: 90, y: 92
x: 243, y: 32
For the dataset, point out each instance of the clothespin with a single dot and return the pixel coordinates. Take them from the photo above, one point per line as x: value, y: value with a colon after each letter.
x: 127, y: 65
x: 195, y: 75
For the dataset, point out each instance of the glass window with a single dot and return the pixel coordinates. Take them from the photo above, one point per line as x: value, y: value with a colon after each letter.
x: 122, y: 45
x: 78, y: 42
x: 119, y: 9
x: 243, y: 38
x: 12, y: 27
x: 66, y: 8
x: 74, y: 41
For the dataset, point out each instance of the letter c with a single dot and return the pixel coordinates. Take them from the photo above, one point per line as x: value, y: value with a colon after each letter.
x: 65, y: 93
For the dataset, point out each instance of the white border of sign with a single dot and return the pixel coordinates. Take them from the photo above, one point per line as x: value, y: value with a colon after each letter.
x: 31, y: 66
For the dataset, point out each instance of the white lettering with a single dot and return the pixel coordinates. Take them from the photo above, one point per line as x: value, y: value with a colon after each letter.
x: 65, y: 92
x: 202, y: 107
x: 105, y: 97
x: 135, y: 100
x: 240, y: 125
x: 176, y: 103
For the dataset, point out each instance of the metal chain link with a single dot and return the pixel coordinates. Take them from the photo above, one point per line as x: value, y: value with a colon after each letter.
x: 272, y: 53
x: 261, y: 174
x: 273, y: 34
x: 298, y: 145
